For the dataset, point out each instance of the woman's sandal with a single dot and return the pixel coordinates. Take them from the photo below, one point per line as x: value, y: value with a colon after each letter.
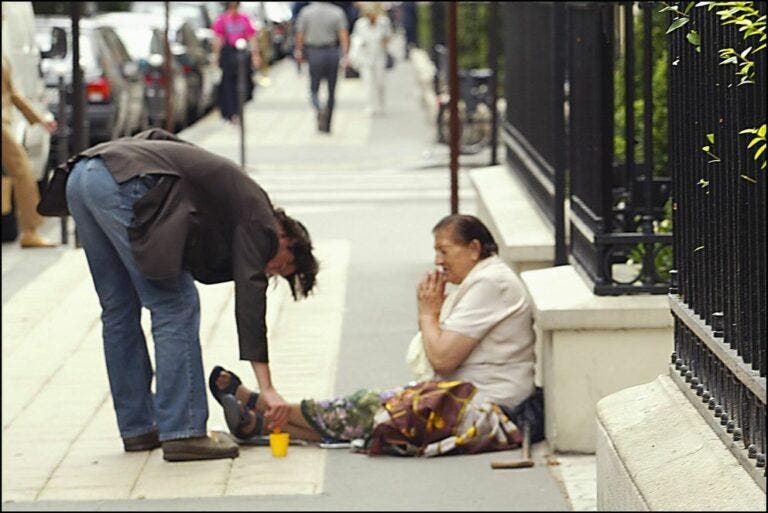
x: 217, y: 392
x: 238, y: 417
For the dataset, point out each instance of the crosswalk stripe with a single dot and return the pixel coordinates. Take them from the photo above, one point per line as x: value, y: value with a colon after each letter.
x: 362, y: 188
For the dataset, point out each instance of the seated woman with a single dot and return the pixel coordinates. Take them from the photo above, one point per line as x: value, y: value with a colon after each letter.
x: 478, y: 342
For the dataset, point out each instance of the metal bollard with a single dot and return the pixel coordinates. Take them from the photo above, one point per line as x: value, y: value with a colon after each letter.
x: 62, y: 147
x: 242, y: 56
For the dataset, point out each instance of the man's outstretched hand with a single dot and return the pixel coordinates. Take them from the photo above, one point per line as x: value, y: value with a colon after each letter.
x: 276, y: 410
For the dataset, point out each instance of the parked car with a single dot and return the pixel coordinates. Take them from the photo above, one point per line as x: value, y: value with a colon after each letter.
x: 131, y: 73
x: 145, y: 44
x: 189, y: 24
x: 21, y: 49
x: 200, y: 14
x: 113, y: 88
x: 198, y: 67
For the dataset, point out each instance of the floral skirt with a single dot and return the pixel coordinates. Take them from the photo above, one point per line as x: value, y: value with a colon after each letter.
x: 428, y: 418
x: 345, y: 418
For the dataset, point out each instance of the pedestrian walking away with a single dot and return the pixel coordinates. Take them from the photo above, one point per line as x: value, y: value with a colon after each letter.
x: 229, y: 27
x: 368, y: 52
x: 16, y: 162
x: 322, y: 33
x: 410, y: 20
x: 154, y: 214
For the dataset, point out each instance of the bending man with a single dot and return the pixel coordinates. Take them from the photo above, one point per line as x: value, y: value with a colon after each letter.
x: 155, y: 213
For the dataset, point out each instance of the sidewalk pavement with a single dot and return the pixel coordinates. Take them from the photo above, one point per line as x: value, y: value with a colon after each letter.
x: 60, y: 441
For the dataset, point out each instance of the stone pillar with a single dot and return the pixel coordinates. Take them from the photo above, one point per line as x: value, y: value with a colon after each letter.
x: 590, y: 347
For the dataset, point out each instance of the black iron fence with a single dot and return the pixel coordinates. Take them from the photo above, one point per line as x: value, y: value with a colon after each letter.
x: 533, y: 130
x: 584, y: 122
x: 718, y: 296
x: 559, y: 134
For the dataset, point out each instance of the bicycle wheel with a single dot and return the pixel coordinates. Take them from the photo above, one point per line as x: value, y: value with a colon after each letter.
x: 476, y: 131
x: 444, y: 126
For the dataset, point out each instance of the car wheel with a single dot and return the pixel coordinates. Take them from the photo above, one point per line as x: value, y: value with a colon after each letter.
x: 117, y: 130
x: 145, y: 122
x: 181, y: 120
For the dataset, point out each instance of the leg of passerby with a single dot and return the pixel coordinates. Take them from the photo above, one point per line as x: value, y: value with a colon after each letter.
x: 228, y: 94
x: 331, y: 59
x: 373, y: 81
x: 366, y: 72
x: 315, y: 74
x: 25, y: 191
x: 379, y: 81
x: 103, y: 211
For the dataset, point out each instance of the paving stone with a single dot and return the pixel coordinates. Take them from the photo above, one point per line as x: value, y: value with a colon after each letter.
x: 13, y: 494
x: 290, y: 488
x: 87, y: 493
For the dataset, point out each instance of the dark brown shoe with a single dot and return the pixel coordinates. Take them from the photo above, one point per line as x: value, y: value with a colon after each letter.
x: 145, y: 442
x: 216, y: 446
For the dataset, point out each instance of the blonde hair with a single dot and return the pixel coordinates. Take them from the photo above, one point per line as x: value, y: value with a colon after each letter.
x: 372, y: 8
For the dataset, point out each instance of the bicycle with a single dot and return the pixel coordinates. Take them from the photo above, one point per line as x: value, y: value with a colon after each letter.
x: 475, y: 114
x: 474, y: 105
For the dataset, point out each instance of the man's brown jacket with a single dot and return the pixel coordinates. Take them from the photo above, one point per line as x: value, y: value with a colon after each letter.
x: 204, y: 216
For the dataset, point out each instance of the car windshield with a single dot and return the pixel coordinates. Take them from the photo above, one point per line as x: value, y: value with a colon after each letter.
x: 44, y: 37
x: 52, y: 67
x: 137, y: 39
x: 179, y: 10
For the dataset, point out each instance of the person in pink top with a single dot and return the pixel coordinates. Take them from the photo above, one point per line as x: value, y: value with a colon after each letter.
x: 230, y: 26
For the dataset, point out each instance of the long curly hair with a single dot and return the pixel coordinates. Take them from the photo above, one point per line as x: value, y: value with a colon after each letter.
x: 302, y: 281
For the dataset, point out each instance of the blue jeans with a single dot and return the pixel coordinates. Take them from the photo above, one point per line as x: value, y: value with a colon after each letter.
x: 102, y: 211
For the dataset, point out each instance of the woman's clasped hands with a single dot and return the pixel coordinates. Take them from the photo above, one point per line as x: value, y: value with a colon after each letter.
x: 430, y: 293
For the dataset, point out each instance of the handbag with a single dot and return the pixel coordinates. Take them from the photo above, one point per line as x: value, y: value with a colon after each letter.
x: 417, y: 361
x: 354, y: 55
x: 53, y: 196
x: 531, y: 413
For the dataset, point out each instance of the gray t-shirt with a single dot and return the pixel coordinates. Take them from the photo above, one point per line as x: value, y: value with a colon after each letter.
x: 321, y: 22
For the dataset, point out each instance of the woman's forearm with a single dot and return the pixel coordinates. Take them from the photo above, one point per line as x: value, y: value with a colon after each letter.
x: 445, y: 349
x: 430, y: 336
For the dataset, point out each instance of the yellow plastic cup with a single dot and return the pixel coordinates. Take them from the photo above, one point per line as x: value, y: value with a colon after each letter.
x: 279, y: 442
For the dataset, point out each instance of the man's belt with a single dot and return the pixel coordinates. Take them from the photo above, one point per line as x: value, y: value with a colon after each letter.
x: 332, y: 45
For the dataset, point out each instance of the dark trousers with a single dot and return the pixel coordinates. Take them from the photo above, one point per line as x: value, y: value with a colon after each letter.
x: 230, y: 61
x: 323, y: 65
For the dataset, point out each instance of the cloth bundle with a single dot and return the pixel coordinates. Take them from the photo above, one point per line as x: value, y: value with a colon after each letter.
x: 437, y: 417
